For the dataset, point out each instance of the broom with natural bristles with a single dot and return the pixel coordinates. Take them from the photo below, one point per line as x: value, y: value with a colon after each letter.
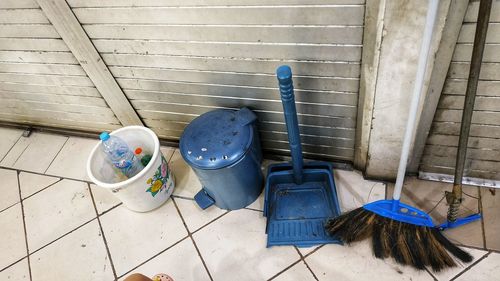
x: 398, y: 230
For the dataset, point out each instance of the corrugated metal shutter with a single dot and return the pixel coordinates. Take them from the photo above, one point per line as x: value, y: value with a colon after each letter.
x: 483, y: 157
x: 41, y: 82
x: 178, y: 59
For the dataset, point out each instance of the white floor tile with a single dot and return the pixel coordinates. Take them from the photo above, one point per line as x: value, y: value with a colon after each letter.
x: 72, y: 160
x: 487, y: 269
x: 167, y: 151
x: 8, y: 139
x: 34, y: 153
x: 306, y: 250
x: 186, y: 182
x: 181, y: 262
x: 354, y: 191
x: 234, y: 248
x: 336, y: 262
x: 134, y: 237
x: 452, y: 272
x: 194, y: 216
x: 298, y: 272
x: 13, y: 245
x: 31, y: 183
x: 16, y: 272
x: 55, y: 211
x: 491, y: 209
x: 104, y: 198
x: 9, y: 189
x: 258, y: 204
x: 81, y: 255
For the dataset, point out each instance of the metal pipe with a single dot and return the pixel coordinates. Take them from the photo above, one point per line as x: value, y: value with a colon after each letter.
x: 483, y: 19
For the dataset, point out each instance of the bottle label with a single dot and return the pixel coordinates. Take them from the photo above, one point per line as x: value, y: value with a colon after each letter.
x: 123, y: 164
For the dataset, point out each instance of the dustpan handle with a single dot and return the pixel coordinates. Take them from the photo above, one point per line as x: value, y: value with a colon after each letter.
x: 417, y: 90
x: 284, y: 74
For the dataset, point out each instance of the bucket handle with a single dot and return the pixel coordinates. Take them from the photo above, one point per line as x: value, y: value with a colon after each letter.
x: 245, y: 116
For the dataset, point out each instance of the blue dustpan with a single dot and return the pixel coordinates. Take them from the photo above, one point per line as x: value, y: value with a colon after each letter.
x: 299, y: 198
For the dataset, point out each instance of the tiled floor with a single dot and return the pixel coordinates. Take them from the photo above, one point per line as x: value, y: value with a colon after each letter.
x: 56, y: 225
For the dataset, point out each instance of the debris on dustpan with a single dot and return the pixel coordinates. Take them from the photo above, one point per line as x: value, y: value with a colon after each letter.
x: 299, y: 198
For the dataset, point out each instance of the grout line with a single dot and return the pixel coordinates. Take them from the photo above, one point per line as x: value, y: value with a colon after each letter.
x: 48, y: 175
x: 307, y: 265
x: 55, y: 156
x: 430, y: 273
x: 252, y: 209
x: 110, y: 209
x: 33, y: 194
x: 192, y: 240
x: 2, y: 269
x: 182, y: 197
x: 470, y: 266
x: 24, y: 225
x: 161, y: 252
x: 210, y: 222
x: 481, y: 211
x: 6, y: 208
x: 8, y: 151
x: 477, y: 248
x: 102, y: 231
x: 171, y: 155
x: 20, y: 154
x: 286, y: 268
x: 314, y: 251
x: 62, y: 236
x: 310, y: 269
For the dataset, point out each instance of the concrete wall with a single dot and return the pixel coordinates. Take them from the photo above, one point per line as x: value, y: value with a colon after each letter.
x: 400, y: 40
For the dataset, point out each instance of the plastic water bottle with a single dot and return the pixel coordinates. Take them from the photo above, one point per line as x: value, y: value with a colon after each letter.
x: 120, y: 154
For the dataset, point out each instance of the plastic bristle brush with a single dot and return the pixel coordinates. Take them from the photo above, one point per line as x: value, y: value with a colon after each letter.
x: 397, y: 230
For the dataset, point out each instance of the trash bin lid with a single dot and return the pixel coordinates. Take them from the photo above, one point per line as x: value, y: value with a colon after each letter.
x: 217, y: 139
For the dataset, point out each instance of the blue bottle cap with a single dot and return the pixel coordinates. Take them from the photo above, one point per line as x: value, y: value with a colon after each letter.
x: 104, y: 136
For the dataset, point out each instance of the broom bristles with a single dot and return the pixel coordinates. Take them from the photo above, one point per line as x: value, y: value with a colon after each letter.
x: 408, y: 244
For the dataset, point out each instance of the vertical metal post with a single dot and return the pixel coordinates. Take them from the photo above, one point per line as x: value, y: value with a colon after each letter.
x: 483, y: 18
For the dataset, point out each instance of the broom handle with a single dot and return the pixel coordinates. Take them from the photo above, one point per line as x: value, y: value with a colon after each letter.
x: 284, y: 74
x: 417, y: 90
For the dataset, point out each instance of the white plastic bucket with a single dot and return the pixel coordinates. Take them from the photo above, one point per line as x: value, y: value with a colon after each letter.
x: 147, y: 190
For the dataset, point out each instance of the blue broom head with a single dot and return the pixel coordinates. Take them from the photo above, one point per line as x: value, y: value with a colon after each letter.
x: 395, y: 210
x: 397, y: 230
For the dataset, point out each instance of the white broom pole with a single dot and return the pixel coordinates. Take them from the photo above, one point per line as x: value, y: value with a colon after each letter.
x: 417, y: 91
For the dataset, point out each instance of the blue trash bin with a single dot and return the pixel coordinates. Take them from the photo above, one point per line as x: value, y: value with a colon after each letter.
x: 223, y: 148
